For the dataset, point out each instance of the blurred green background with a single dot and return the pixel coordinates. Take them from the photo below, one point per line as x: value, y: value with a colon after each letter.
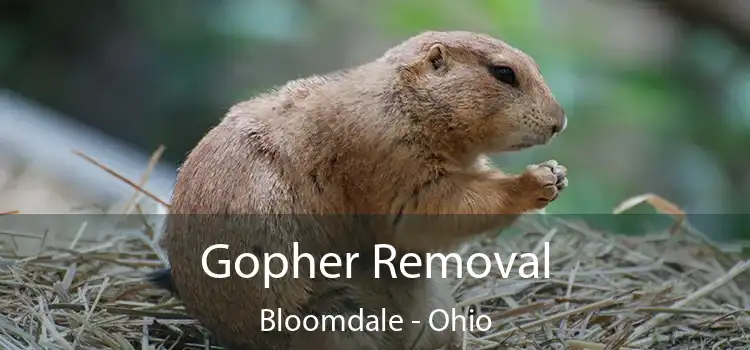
x: 657, y: 92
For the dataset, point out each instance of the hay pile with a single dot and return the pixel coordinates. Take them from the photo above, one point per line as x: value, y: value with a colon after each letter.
x: 665, y: 291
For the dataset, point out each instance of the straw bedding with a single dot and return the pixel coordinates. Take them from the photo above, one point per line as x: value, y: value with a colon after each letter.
x: 662, y: 291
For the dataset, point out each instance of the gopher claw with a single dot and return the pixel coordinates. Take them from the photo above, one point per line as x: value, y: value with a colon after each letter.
x: 543, y: 182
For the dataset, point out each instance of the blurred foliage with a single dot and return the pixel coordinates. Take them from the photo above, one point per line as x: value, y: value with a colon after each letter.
x: 164, y: 72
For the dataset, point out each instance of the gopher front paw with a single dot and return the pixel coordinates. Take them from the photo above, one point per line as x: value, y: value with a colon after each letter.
x: 542, y: 183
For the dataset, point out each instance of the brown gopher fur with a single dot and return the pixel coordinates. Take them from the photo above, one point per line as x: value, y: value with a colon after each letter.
x: 344, y: 161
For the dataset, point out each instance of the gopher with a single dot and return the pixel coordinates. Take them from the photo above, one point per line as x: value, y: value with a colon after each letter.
x: 394, y: 151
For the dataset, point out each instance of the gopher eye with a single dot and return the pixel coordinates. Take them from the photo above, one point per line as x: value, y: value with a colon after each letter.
x: 504, y: 74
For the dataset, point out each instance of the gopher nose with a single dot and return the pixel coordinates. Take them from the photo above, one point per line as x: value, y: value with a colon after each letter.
x: 561, y: 120
x: 560, y: 127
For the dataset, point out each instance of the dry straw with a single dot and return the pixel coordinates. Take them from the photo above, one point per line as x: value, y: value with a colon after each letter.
x: 669, y: 290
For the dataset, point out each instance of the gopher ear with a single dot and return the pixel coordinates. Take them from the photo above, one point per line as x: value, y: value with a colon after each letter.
x: 436, y: 57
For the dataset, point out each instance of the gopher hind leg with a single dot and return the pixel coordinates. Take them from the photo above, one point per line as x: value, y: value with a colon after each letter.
x: 347, y: 298
x: 412, y: 299
x: 419, y: 299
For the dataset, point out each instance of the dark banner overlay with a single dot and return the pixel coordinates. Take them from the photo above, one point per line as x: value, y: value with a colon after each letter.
x: 350, y: 255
